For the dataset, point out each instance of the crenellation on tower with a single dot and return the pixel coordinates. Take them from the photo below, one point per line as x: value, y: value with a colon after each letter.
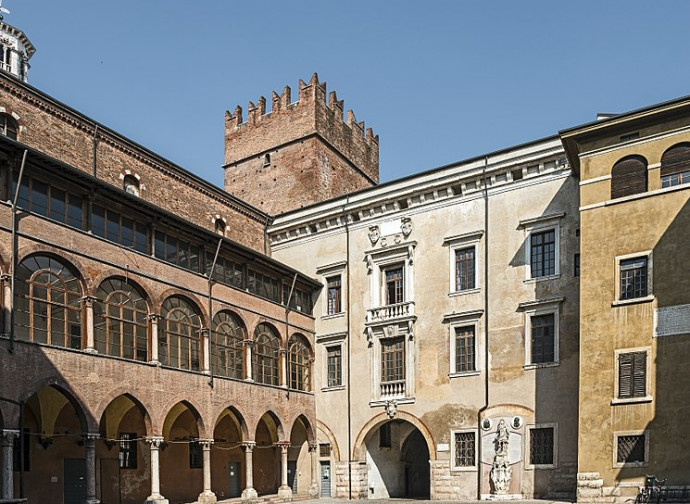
x: 299, y: 153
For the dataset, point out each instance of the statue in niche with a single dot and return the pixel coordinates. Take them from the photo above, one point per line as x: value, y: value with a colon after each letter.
x: 501, y: 473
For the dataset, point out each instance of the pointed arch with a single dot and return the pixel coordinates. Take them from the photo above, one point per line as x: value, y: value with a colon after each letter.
x: 271, y: 420
x: 123, y: 392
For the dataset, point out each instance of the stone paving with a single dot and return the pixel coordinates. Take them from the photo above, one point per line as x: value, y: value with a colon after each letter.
x: 400, y: 501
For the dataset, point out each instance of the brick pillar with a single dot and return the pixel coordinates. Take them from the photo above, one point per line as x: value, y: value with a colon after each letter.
x: 90, y: 446
x: 284, y: 492
x: 207, y: 496
x: 155, y: 497
x: 249, y: 493
x: 6, y: 304
x: 153, y: 319
x: 8, y: 437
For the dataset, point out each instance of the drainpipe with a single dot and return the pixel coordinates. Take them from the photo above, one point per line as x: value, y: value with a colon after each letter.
x: 13, y: 253
x: 486, y: 330
x: 210, y: 312
x: 348, y: 338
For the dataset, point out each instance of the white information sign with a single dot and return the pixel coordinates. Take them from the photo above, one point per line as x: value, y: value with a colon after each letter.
x: 672, y: 320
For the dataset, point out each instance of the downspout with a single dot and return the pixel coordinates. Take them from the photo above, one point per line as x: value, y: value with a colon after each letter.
x: 348, y: 338
x: 13, y: 253
x: 486, y: 329
x: 210, y: 310
x: 94, y: 163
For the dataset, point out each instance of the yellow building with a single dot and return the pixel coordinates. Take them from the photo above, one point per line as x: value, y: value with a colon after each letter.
x: 634, y: 170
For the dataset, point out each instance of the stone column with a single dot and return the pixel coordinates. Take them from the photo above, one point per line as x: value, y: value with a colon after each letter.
x: 8, y: 437
x: 153, y: 319
x: 282, y: 356
x: 284, y: 492
x: 6, y: 304
x: 87, y: 302
x: 249, y: 493
x: 155, y: 497
x: 248, y: 345
x: 314, y: 452
x: 207, y: 496
x: 205, y: 340
x: 90, y: 445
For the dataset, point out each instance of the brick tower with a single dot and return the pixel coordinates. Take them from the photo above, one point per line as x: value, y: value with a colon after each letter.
x: 300, y: 153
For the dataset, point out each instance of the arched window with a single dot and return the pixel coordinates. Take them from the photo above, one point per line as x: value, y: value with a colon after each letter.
x: 629, y: 176
x: 48, y: 302
x: 8, y: 126
x: 299, y: 362
x: 675, y: 165
x: 220, y: 226
x: 178, y: 337
x: 227, y: 348
x: 131, y: 185
x: 120, y: 320
x: 266, y: 346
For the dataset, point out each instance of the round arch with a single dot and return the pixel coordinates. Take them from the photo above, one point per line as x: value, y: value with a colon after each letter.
x: 71, y: 262
x: 358, y: 449
x: 158, y: 300
x: 112, y: 274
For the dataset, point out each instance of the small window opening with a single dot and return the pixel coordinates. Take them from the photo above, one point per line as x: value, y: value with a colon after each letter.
x: 131, y: 185
x: 630, y: 136
x: 220, y: 227
x: 517, y: 174
x: 267, y: 159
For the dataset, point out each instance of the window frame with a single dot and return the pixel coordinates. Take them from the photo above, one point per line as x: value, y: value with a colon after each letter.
x: 543, y: 308
x: 465, y: 319
x: 528, y: 441
x: 393, y: 267
x: 539, y: 225
x: 648, y: 254
x: 619, y: 434
x: 127, y: 450
x: 327, y: 375
x: 339, y: 295
x: 327, y: 272
x: 648, y: 397
x: 455, y: 244
x: 453, y: 447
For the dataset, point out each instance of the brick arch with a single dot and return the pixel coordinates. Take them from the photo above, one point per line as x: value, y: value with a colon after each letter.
x: 280, y: 431
x: 191, y: 404
x: 5, y: 259
x: 157, y: 302
x: 114, y: 273
x: 244, y: 430
x: 272, y: 326
x: 358, y: 451
x: 309, y: 427
x: 125, y: 391
x: 21, y: 124
x: 69, y: 259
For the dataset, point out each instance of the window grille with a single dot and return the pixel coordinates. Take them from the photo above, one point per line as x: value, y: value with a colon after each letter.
x: 464, y: 449
x: 195, y: 455
x: 541, y: 446
x: 324, y: 450
x: 128, y: 450
x: 630, y: 449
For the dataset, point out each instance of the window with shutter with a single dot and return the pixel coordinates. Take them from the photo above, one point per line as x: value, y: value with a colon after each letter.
x: 629, y: 176
x: 675, y: 165
x: 632, y: 375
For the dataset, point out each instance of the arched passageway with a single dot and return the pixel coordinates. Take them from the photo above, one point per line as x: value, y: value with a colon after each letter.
x: 228, y: 471
x: 181, y: 462
x: 267, y: 454
x: 397, y: 457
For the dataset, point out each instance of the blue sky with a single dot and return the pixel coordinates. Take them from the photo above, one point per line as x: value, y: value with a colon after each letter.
x: 438, y: 81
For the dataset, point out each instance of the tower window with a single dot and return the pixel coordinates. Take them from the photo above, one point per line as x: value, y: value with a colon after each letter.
x: 267, y: 159
x: 220, y: 227
x: 8, y: 126
x: 131, y: 185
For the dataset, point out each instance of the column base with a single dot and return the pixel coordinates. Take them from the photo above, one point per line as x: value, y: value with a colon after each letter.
x: 92, y: 501
x: 249, y: 495
x: 207, y: 497
x: 91, y: 350
x: 156, y: 499
x: 285, y: 493
x: 314, y: 490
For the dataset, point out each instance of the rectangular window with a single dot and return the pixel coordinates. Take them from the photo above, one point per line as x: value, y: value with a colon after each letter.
x: 392, y: 360
x: 335, y: 366
x: 543, y: 253
x: 464, y: 269
x: 543, y: 339
x: 541, y: 446
x: 49, y: 201
x: 632, y: 375
x: 630, y: 449
x: 177, y: 251
x: 675, y: 179
x: 128, y: 450
x: 394, y: 285
x: 119, y: 229
x: 195, y: 458
x: 324, y: 450
x: 227, y: 271
x: 385, y: 435
x: 464, y: 349
x: 464, y: 449
x: 633, y: 275
x: 334, y: 295
x: 576, y: 265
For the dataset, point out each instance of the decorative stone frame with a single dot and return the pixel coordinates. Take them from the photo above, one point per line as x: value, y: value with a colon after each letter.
x: 218, y: 218
x: 329, y: 271
x: 378, y: 260
x: 127, y: 172
x: 335, y: 340
x: 648, y: 376
x: 538, y: 225
x: 459, y: 242
x: 536, y: 308
x: 616, y: 435
x: 465, y: 319
x: 455, y: 468
x: 526, y: 451
x: 617, y: 301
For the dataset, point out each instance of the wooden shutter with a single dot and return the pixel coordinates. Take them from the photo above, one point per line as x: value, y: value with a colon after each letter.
x: 632, y: 375
x: 676, y: 159
x: 629, y: 176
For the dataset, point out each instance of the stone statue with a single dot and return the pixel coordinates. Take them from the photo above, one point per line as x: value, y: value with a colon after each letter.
x: 374, y: 234
x: 501, y: 473
x: 391, y: 408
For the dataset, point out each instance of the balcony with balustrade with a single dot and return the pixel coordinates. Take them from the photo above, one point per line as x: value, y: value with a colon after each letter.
x: 393, y: 312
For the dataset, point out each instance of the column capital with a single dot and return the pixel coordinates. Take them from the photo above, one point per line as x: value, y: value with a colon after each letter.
x: 282, y: 351
x: 282, y: 443
x: 205, y: 443
x: 155, y: 441
x: 313, y: 445
x: 203, y: 331
x: 88, y: 300
x: 91, y: 436
x: 248, y: 342
x: 153, y: 317
x: 10, y: 434
x: 248, y: 445
x: 5, y: 277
